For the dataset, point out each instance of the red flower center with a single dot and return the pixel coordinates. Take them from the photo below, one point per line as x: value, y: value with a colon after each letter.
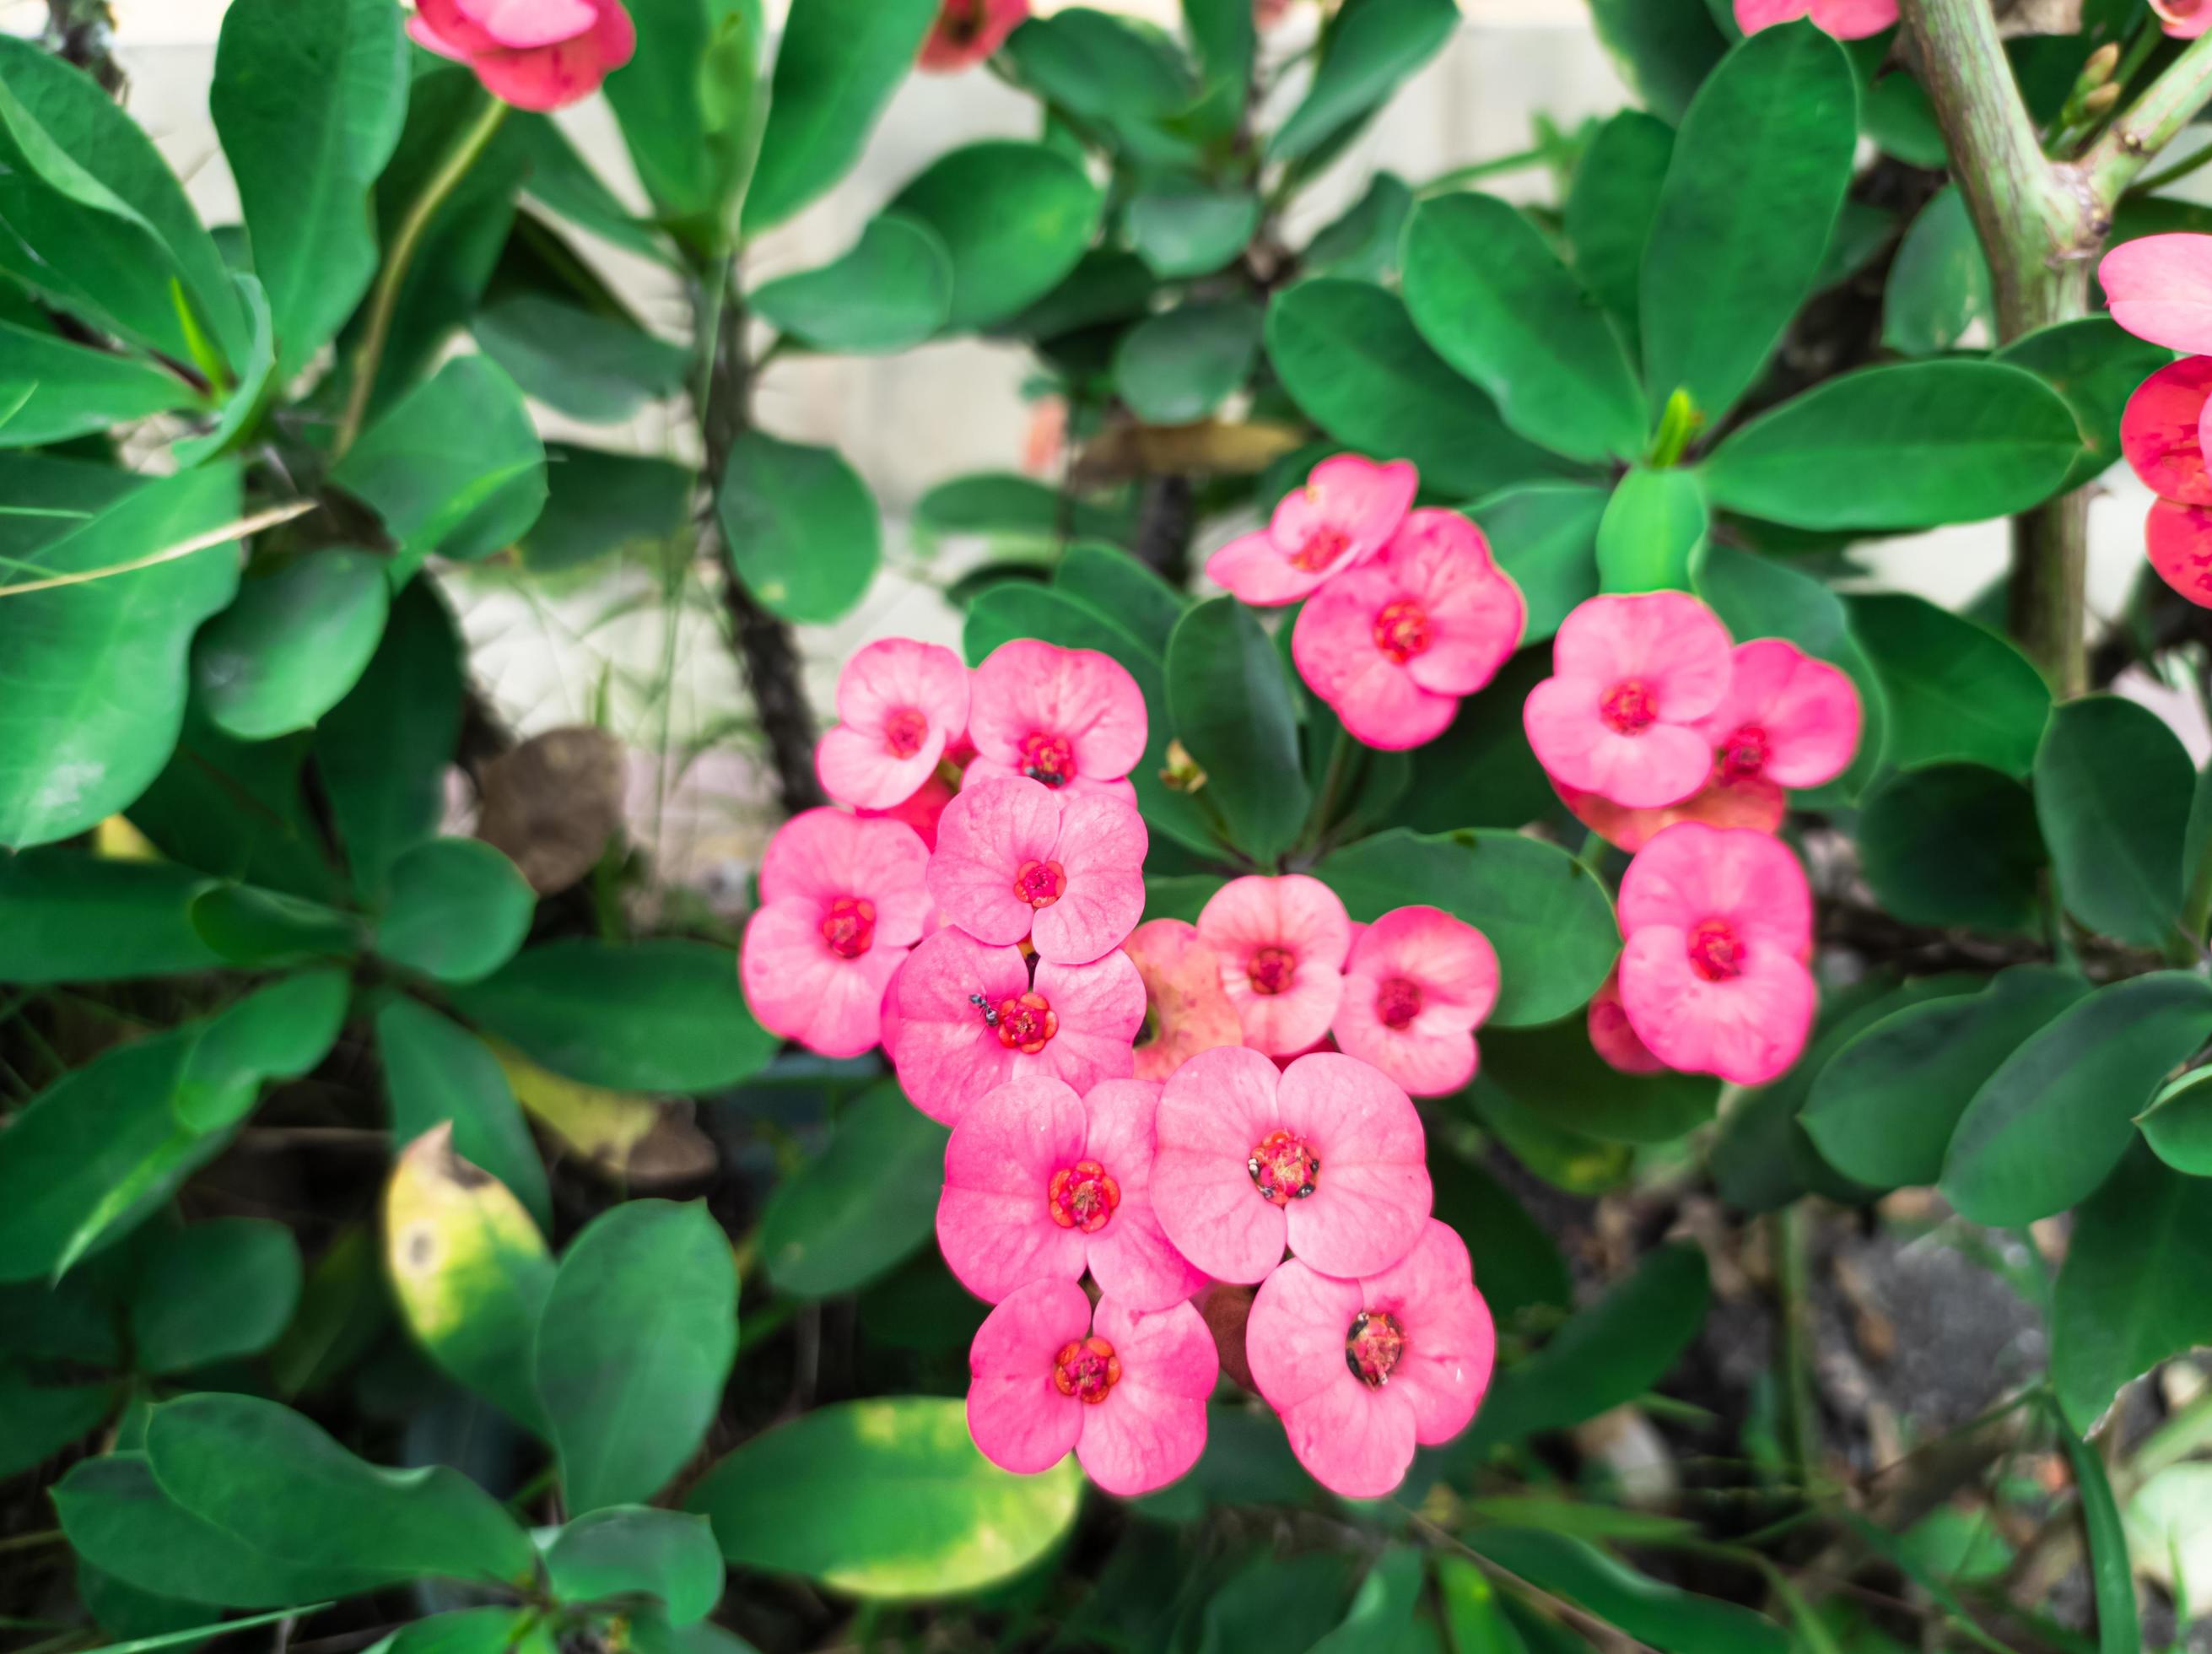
x: 1715, y: 950
x: 1628, y: 707
x: 1322, y: 547
x: 1024, y: 1023
x: 1373, y: 1345
x: 1271, y: 969
x: 1086, y: 1370
x: 904, y: 731
x: 1082, y: 1196
x: 1041, y: 883
x: 1048, y: 758
x: 1401, y: 631
x: 1742, y: 755
x: 1397, y: 1002
x: 1282, y: 1167
x: 849, y: 926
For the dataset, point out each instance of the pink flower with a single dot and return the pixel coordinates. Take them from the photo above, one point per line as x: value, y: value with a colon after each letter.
x: 900, y: 705
x: 534, y: 54
x: 1847, y: 19
x: 1073, y: 719
x: 1611, y: 1036
x: 968, y: 31
x: 1346, y: 513
x: 1392, y: 645
x: 1124, y: 1390
x: 1186, y: 1010
x: 1788, y: 720
x: 2162, y: 431
x: 1417, y: 985
x: 1282, y: 943
x: 966, y: 1018
x: 1363, y: 1371
x: 2179, y: 539
x: 1718, y: 924
x: 1040, y: 1185
x: 1268, y: 13
x: 1326, y: 1156
x: 921, y: 808
x: 2185, y: 20
x: 1016, y: 860
x: 2160, y: 288
x: 842, y: 902
x: 1633, y: 677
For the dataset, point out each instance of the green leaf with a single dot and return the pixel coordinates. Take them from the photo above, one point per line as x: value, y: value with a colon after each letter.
x: 309, y: 98
x: 51, y: 390
x: 469, y: 1271
x: 800, y: 527
x: 38, y: 1420
x: 1757, y: 176
x: 1382, y: 1615
x: 212, y: 1291
x: 1545, y: 536
x: 1015, y: 217
x: 2112, y: 790
x: 1654, y: 529
x: 2179, y: 1123
x: 1364, y: 241
x: 456, y: 911
x: 1231, y: 705
x: 899, y: 1503
x: 1182, y: 226
x: 73, y: 917
x: 2111, y: 1578
x: 1662, y: 1615
x: 251, y: 926
x: 1955, y: 690
x: 562, y: 181
x: 1177, y: 366
x: 382, y: 753
x: 2057, y: 1114
x: 597, y: 368
x: 2130, y: 1294
x: 437, y: 1073
x: 469, y: 1631
x: 238, y: 417
x: 293, y: 644
x: 890, y: 291
x: 1115, y: 583
x: 1349, y: 356
x: 1543, y: 911
x: 1895, y: 114
x: 1954, y: 844
x: 663, y: 1015
x: 1520, y: 1265
x: 1609, y: 211
x: 838, y: 65
x: 1094, y: 64
x: 454, y: 466
x: 1664, y: 49
x: 634, y: 1347
x: 1370, y: 47
x: 861, y: 1207
x: 276, y: 1482
x: 631, y: 1550
x: 281, y: 1032
x: 690, y: 106
x: 1883, y: 1110
x: 1909, y: 446
x: 1553, y: 1071
x: 1939, y: 284
x: 598, y: 502
x: 1480, y: 771
x: 2095, y: 366
x: 97, y: 671
x: 1486, y: 290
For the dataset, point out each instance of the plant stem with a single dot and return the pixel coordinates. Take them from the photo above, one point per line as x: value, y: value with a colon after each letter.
x: 1793, y: 1290
x: 386, y: 300
x: 2153, y: 183
x: 2152, y: 121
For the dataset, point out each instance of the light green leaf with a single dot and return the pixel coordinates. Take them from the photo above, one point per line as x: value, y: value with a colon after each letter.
x: 690, y: 105
x: 800, y: 527
x: 293, y: 644
x: 890, y: 291
x: 457, y: 910
x: 1653, y: 531
x: 252, y: 926
x: 57, y: 390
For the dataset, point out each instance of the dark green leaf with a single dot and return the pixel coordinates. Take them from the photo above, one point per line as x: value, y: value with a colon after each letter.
x: 1662, y: 1615
x: 1954, y: 844
x: 1185, y: 227
x: 1519, y: 1264
x: 590, y: 366
x: 1610, y: 209
x: 1954, y: 691
x: 75, y: 917
x: 635, y: 1342
x: 1666, y: 48
x: 1370, y: 47
x: 2179, y: 1123
x: 211, y: 1292
x: 456, y: 911
x: 279, y: 1032
x: 293, y: 644
x: 1177, y: 366
x: 1553, y: 1071
x: 51, y: 390
x: 861, y: 1207
x: 1653, y: 531
x: 2112, y: 790
x: 2111, y: 1577
x: 1015, y: 217
x: 1362, y: 243
x: 563, y: 182
x: 1231, y: 705
x: 800, y: 527
x: 437, y: 1073
x: 1115, y: 583
x: 251, y: 926
x: 598, y: 502
x: 891, y: 290
x: 38, y: 1420
x: 633, y: 1550
x: 2096, y: 367
x: 1897, y: 117
x: 1939, y: 284
x: 1094, y: 64
x: 691, y: 110
x: 1545, y: 536
x: 1480, y: 771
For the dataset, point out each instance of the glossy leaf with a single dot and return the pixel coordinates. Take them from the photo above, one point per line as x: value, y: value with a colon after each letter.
x: 1545, y: 536
x: 2179, y: 1123
x: 901, y: 1504
x: 435, y: 1073
x: 1489, y: 294
x: 1544, y: 913
x: 2057, y: 1114
x: 294, y: 644
x: 1653, y: 531
x: 456, y: 911
x: 1015, y: 217
x: 891, y: 290
x: 2111, y: 1577
x: 2095, y: 367
x: 1609, y: 210
x: 1553, y: 1071
x: 800, y: 527
x: 76, y: 917
x: 1183, y: 227
x: 51, y: 390
x: 598, y: 502
x: 636, y: 1551
x: 1115, y: 583
x: 212, y: 1291
x: 2112, y: 790
x: 691, y: 108
x: 1095, y: 64
x: 863, y: 1204
x: 1364, y: 241
x: 633, y: 1348
x: 251, y: 926
x: 1371, y: 46
x: 1177, y: 366
x: 1664, y: 1616
x: 1666, y: 48
x: 1939, y: 284
x: 1231, y: 701
x: 1954, y: 844
x: 1955, y: 690
x: 598, y: 368
x: 279, y: 1032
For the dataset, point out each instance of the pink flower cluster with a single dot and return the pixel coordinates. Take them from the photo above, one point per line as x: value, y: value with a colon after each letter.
x: 1140, y: 1106
x: 534, y: 54
x: 2160, y: 289
x: 1404, y: 611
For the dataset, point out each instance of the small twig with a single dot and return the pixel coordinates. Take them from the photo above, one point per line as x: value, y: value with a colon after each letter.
x: 213, y: 537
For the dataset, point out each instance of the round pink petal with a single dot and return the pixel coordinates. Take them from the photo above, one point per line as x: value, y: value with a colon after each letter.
x: 1020, y: 1420
x: 1854, y: 20
x: 1030, y: 691
x: 986, y: 835
x: 1186, y: 1009
x: 1131, y: 1257
x: 1752, y: 801
x: 1371, y: 1194
x: 1668, y: 642
x: 1366, y: 502
x: 1356, y: 1441
x: 1151, y: 1427
x: 820, y: 855
x: 1101, y: 851
x: 1212, y: 1113
x: 946, y: 1053
x: 1294, y: 924
x: 1417, y: 984
x: 2180, y: 540
x: 546, y: 78
x: 1451, y: 1345
x: 2161, y: 432
x: 1748, y: 1029
x: 1254, y: 570
x: 466, y: 37
x: 1475, y: 613
x: 994, y: 1221
x: 1332, y: 642
x: 1101, y: 1006
x: 1661, y: 765
x: 2185, y: 20
x: 1753, y: 15
x: 1787, y: 717
x: 1692, y: 873
x: 1612, y: 1037
x: 2160, y: 289
x: 799, y: 989
x: 531, y: 23
x: 1385, y: 708
x: 900, y: 705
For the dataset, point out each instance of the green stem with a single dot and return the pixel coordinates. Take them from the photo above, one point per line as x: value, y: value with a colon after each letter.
x: 2152, y: 184
x: 2151, y: 123
x: 386, y: 300
x: 1520, y: 161
x: 1794, y: 1306
x: 1340, y: 756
